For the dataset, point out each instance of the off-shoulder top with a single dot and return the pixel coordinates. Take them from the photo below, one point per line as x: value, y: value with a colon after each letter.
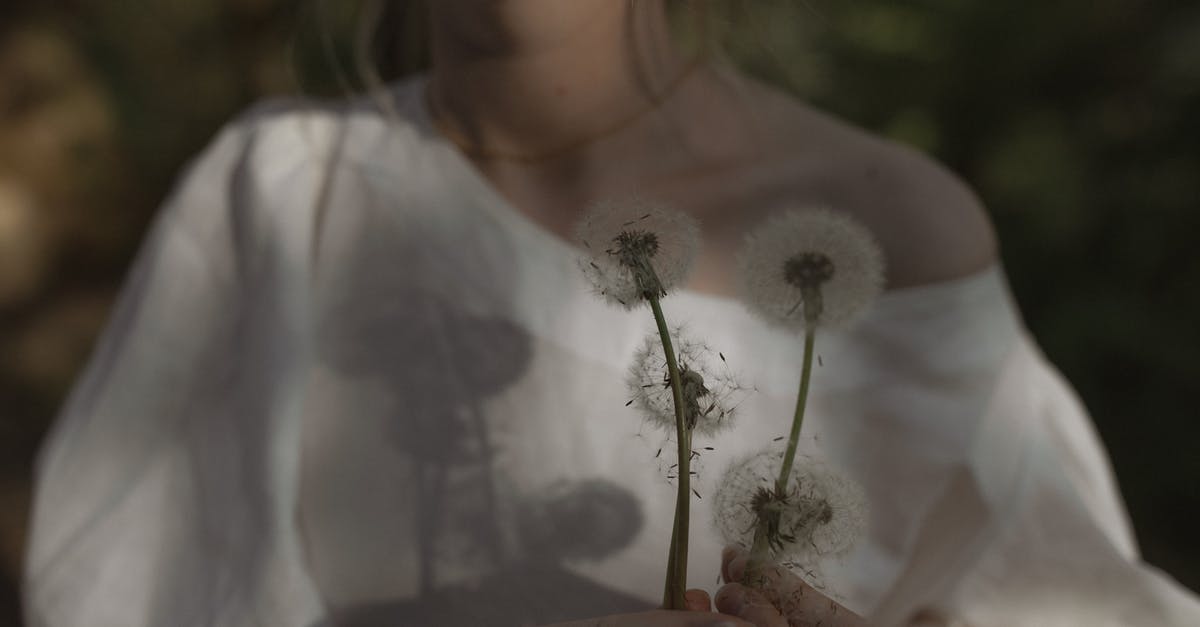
x: 347, y: 383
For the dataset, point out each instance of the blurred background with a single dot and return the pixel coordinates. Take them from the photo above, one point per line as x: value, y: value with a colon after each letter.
x: 1077, y: 122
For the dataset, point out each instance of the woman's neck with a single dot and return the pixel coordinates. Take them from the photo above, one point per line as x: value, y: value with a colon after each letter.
x: 529, y: 76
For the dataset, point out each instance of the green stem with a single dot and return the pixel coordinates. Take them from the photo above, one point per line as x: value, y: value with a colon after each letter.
x: 668, y: 588
x: 758, y: 558
x: 676, y: 582
x: 789, y: 456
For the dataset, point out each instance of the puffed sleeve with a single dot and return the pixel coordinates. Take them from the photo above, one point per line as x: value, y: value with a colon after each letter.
x: 1026, y: 526
x: 154, y: 495
x: 1059, y: 551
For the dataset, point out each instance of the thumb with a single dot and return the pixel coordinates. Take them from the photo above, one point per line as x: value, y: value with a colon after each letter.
x: 749, y: 605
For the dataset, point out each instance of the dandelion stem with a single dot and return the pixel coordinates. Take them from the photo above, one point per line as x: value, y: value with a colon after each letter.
x: 758, y: 558
x: 676, y: 582
x: 789, y: 456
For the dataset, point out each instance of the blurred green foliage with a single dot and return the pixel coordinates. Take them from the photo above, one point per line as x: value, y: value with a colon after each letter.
x: 1075, y: 122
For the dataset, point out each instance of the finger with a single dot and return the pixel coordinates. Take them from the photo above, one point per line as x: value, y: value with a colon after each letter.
x: 737, y: 600
x: 674, y: 618
x: 697, y: 601
x: 733, y: 564
x: 767, y: 576
x: 661, y: 618
x: 802, y: 604
x: 928, y: 618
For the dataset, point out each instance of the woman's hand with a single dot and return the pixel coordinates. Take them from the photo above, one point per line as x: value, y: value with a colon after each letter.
x: 698, y: 614
x: 802, y: 605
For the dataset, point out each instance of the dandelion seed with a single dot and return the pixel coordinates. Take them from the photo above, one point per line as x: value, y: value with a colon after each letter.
x: 821, y: 514
x: 636, y: 249
x: 810, y: 268
x: 710, y: 390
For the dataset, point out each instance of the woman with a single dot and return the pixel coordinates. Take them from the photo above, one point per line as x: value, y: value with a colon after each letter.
x: 354, y: 378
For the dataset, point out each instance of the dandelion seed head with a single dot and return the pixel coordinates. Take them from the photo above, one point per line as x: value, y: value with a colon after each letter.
x: 711, y: 391
x: 633, y: 243
x: 636, y: 249
x: 821, y: 514
x: 808, y: 270
x: 810, y: 267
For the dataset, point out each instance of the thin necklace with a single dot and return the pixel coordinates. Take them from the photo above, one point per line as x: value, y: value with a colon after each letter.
x: 483, y: 153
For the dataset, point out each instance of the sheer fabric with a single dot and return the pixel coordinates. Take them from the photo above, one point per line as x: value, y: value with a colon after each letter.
x: 348, y: 384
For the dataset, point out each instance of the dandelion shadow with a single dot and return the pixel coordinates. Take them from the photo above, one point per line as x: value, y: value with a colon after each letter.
x: 573, y: 521
x: 405, y: 502
x: 433, y: 366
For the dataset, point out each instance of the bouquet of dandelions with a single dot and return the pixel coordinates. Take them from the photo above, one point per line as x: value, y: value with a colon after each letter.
x: 804, y: 271
x: 636, y: 253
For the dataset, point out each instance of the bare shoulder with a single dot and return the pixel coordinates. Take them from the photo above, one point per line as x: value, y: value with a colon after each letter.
x: 930, y: 224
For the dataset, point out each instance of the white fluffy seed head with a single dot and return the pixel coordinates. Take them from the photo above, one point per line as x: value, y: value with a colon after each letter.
x: 831, y: 253
x: 711, y: 390
x: 822, y: 515
x: 669, y: 241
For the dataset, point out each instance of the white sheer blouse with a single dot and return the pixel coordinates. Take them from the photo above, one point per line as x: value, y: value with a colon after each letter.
x: 348, y: 384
